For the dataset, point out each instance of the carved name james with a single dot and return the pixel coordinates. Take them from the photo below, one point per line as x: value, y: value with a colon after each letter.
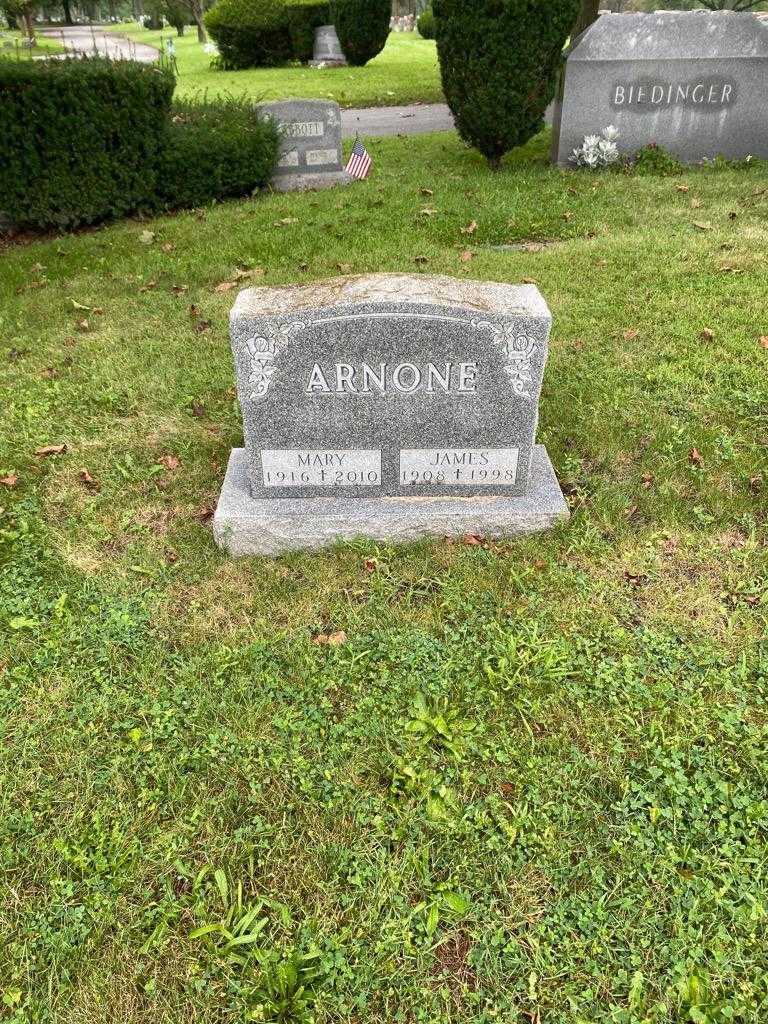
x: 369, y: 392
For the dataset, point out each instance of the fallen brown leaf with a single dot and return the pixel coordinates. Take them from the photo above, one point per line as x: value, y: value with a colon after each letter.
x: 647, y: 480
x: 171, y: 462
x: 88, y: 481
x: 179, y: 289
x: 50, y: 373
x: 225, y: 286
x: 167, y: 246
x: 202, y: 325
x: 694, y: 457
x: 466, y: 256
x: 428, y: 211
x: 286, y: 220
x: 421, y: 259
x: 344, y: 268
x: 472, y: 539
x: 194, y: 312
x: 83, y: 325
x: 9, y: 481
x: 198, y: 409
x: 330, y: 639
x: 702, y: 225
x: 370, y: 564
x: 696, y: 204
x: 204, y: 514
x: 171, y: 556
x: 683, y: 188
x: 764, y: 340
x: 528, y: 280
x: 707, y: 334
x: 427, y: 191
x: 630, y: 334
x: 51, y: 449
x: 470, y: 229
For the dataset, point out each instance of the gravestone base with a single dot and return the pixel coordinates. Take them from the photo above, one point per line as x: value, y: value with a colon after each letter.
x: 327, y: 63
x: 310, y: 182
x: 244, y: 525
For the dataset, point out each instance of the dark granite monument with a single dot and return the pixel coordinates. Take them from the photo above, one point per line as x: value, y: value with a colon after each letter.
x: 310, y: 144
x: 695, y: 82
x: 388, y: 406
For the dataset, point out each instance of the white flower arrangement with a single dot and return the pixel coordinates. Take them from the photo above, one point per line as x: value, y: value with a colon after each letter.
x: 597, y: 150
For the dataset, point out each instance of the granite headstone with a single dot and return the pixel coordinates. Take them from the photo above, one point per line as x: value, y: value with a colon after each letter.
x: 695, y: 82
x: 310, y: 144
x: 327, y: 51
x: 389, y: 406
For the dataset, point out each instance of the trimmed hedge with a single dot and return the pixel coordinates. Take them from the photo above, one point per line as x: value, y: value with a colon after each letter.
x: 499, y: 61
x: 80, y: 139
x: 215, y: 151
x: 304, y: 16
x: 362, y: 27
x: 264, y: 33
x: 250, y: 33
x: 425, y: 24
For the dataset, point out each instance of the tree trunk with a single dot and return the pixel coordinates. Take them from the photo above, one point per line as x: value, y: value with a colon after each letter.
x: 180, y: 30
x: 67, y: 12
x: 29, y: 26
x: 197, y: 14
x: 494, y: 163
x: 587, y: 15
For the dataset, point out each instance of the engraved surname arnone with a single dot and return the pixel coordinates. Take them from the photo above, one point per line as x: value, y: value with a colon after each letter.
x: 321, y: 467
x: 381, y: 378
x: 517, y: 352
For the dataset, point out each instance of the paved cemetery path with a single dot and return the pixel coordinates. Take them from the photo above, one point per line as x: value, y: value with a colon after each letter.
x: 86, y: 38
x: 411, y: 120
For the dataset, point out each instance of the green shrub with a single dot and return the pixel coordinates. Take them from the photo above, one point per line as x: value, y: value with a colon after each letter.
x: 499, y: 61
x: 215, y: 150
x: 250, y: 33
x: 304, y: 16
x: 80, y: 140
x: 362, y: 27
x: 263, y: 33
x: 655, y: 160
x: 426, y: 24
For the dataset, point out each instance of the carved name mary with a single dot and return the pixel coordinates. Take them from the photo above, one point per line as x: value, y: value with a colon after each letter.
x: 379, y: 405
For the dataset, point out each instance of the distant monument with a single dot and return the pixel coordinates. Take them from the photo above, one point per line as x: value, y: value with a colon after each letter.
x: 695, y: 82
x: 327, y: 50
x: 310, y: 144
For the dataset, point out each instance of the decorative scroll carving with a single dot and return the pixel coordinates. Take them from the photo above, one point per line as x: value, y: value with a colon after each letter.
x: 518, y: 351
x: 263, y: 351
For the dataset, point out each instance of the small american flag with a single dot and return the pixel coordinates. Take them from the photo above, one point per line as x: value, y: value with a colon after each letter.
x: 359, y: 161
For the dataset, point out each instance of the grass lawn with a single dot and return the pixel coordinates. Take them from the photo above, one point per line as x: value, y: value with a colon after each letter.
x: 406, y: 71
x: 45, y: 45
x: 532, y: 784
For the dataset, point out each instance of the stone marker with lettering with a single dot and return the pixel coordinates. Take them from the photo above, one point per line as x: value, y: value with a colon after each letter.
x: 327, y: 51
x: 695, y: 82
x: 387, y: 406
x: 310, y: 145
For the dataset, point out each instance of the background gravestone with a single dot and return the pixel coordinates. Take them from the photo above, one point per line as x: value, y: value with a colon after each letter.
x: 695, y: 82
x: 327, y: 51
x: 390, y: 406
x: 310, y: 146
